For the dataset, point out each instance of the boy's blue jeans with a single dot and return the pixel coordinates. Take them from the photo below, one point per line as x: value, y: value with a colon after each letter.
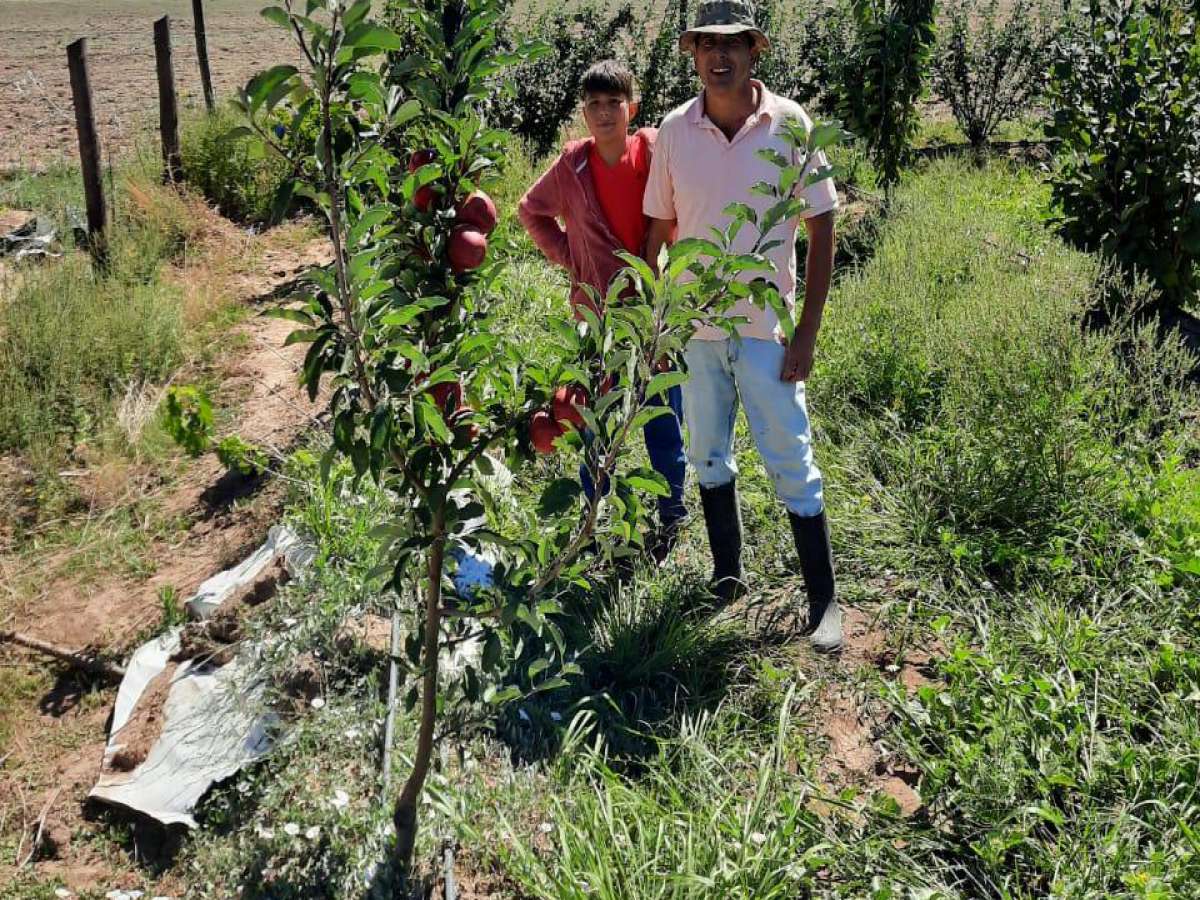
x: 721, y: 372
x: 664, y: 445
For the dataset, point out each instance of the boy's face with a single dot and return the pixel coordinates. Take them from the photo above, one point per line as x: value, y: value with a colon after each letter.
x: 607, y: 115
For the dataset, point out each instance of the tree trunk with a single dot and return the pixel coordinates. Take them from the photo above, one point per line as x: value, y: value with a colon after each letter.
x: 404, y: 815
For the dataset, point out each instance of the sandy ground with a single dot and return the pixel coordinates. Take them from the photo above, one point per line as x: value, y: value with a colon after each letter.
x: 37, y: 124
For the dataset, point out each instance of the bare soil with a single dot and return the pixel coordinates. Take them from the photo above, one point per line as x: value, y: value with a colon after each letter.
x: 37, y: 129
x: 144, y: 727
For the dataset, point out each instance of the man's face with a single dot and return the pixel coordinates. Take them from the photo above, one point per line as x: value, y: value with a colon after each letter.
x: 607, y: 115
x: 724, y: 61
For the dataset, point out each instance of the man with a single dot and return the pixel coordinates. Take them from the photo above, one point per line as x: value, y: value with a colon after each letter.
x: 706, y: 158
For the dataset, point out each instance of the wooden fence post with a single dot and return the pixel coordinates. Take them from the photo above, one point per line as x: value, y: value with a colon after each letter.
x: 202, y: 53
x: 168, y: 110
x: 89, y: 152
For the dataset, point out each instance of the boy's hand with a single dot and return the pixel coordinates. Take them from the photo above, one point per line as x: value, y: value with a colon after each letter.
x: 798, y: 357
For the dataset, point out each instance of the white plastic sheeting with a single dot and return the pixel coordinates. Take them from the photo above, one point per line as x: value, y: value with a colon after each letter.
x: 214, y: 724
x: 214, y: 718
x: 280, y: 541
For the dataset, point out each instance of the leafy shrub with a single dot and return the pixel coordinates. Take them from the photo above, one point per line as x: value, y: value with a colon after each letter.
x: 234, y: 170
x: 988, y: 67
x: 878, y: 76
x: 1125, y: 90
x: 544, y: 92
x: 955, y: 364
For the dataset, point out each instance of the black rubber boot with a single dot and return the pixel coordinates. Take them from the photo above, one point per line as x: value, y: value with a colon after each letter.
x: 661, y: 542
x: 824, y: 627
x: 723, y: 521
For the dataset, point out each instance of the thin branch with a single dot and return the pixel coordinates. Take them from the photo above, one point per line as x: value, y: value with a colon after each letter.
x: 37, y: 838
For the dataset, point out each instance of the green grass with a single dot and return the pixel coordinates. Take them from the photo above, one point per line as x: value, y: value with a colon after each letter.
x: 73, y: 344
x: 50, y: 192
x: 1009, y: 491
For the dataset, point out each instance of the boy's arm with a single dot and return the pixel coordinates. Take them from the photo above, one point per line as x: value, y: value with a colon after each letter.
x: 658, y: 236
x: 538, y: 212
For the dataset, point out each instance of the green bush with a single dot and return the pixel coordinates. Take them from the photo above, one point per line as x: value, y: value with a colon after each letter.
x: 989, y: 68
x: 239, y: 174
x: 1125, y: 90
x: 545, y: 92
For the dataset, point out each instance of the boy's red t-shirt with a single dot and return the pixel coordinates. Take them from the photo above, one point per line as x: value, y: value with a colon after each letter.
x: 620, y: 189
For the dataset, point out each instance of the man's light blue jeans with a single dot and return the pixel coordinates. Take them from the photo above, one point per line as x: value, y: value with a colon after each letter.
x: 721, y: 372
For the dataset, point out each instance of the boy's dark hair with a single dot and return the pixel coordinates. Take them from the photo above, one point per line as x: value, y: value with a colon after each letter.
x: 608, y: 77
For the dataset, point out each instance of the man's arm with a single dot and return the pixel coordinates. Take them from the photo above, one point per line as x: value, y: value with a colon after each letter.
x: 818, y: 274
x: 658, y: 236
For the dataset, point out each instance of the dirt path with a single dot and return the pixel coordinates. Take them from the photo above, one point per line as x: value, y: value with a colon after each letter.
x: 53, y: 755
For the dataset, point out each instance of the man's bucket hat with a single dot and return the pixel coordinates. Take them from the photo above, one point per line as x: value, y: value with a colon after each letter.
x: 723, y: 17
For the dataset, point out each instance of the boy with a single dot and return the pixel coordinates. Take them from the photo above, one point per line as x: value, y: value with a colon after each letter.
x: 596, y: 188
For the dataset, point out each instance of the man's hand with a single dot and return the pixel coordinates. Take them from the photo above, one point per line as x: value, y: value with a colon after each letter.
x: 798, y: 358
x: 660, y: 233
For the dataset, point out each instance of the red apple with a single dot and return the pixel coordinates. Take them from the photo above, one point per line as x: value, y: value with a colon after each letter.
x: 421, y: 158
x: 566, y: 399
x: 467, y: 249
x: 477, y: 211
x: 543, y: 431
x: 446, y: 391
x: 423, y: 197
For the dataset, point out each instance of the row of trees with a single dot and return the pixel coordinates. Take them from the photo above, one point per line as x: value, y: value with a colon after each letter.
x: 987, y: 64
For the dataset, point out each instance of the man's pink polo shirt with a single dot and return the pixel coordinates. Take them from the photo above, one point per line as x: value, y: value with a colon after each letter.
x: 697, y: 172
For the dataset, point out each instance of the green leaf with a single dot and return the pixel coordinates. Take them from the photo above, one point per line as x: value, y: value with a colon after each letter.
x: 277, y: 15
x: 648, y: 415
x: 663, y: 382
x: 735, y: 211
x: 772, y: 156
x: 291, y: 315
x: 406, y: 112
x: 372, y: 37
x: 649, y: 481
x: 374, y: 216
x: 825, y: 135
x: 558, y: 496
x: 264, y: 84
x: 365, y: 86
